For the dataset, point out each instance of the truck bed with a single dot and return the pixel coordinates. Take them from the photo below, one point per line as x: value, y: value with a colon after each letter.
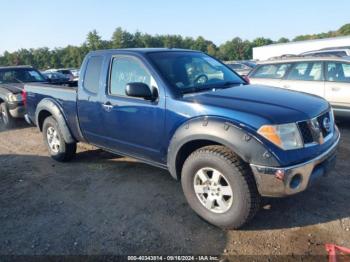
x: 64, y: 96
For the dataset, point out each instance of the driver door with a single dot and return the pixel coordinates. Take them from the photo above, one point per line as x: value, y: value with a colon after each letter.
x: 132, y: 125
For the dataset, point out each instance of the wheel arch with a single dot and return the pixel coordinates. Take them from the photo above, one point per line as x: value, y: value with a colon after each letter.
x: 48, y: 107
x: 204, y: 131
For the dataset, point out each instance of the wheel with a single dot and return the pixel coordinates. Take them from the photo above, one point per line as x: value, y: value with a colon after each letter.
x: 58, y: 148
x: 220, y: 187
x: 6, y: 120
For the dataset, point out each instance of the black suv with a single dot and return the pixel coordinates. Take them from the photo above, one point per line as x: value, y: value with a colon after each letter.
x: 12, y: 99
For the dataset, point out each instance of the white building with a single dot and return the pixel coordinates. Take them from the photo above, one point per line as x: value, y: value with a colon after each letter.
x: 295, y: 48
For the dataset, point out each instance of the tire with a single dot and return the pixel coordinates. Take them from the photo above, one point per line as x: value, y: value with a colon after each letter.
x: 58, y: 148
x: 6, y: 120
x: 225, y: 211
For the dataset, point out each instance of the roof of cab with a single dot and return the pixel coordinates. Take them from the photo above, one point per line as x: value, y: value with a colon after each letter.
x: 142, y: 50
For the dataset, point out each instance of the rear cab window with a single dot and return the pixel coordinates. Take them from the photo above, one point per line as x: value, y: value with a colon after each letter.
x: 272, y: 71
x: 92, y: 74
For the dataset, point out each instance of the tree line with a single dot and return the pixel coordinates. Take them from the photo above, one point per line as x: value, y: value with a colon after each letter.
x: 72, y: 56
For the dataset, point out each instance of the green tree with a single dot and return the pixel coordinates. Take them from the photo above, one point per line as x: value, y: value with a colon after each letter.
x: 344, y: 30
x: 93, y: 40
x: 283, y: 40
x: 72, y: 56
x: 236, y: 49
x: 122, y: 39
x: 261, y: 41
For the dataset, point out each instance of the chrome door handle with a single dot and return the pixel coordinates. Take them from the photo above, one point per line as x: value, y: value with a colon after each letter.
x: 107, y: 106
x: 334, y: 88
x: 286, y: 86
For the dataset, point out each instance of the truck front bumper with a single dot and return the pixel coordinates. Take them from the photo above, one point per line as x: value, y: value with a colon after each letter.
x: 284, y: 181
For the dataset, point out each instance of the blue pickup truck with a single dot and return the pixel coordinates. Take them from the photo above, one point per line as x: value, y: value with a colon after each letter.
x: 230, y: 143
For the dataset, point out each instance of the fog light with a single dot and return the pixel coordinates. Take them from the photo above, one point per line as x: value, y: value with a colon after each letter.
x: 295, y: 181
x: 279, y: 174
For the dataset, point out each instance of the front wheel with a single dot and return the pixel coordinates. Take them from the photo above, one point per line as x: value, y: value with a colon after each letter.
x: 58, y: 148
x: 220, y: 187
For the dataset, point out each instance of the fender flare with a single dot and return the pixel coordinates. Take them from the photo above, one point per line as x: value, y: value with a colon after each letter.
x: 53, y: 108
x: 221, y: 131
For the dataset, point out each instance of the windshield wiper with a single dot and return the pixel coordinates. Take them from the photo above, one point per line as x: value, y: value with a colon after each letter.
x: 223, y: 85
x: 231, y: 83
x: 196, y: 89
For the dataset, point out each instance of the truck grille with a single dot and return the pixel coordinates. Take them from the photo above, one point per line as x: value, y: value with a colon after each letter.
x: 305, y: 132
x: 316, y: 130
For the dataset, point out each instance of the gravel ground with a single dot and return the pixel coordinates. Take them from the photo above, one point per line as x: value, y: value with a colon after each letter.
x: 104, y: 204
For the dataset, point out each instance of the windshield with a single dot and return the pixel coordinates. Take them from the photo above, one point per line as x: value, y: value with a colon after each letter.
x: 193, y: 71
x: 20, y: 75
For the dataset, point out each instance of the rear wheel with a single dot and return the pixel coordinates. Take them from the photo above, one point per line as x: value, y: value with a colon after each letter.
x: 58, y: 148
x: 220, y: 187
x: 6, y: 120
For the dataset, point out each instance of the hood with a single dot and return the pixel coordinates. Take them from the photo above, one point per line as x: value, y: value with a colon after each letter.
x: 13, y: 87
x: 276, y: 105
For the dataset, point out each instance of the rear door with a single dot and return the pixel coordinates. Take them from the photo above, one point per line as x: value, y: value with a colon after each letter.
x: 306, y: 77
x: 269, y: 74
x: 88, y: 101
x: 337, y: 85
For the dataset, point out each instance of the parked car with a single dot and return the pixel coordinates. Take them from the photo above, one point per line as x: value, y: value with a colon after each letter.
x: 242, y: 67
x: 75, y: 73
x: 327, y: 77
x: 65, y: 71
x: 228, y: 142
x: 57, y: 78
x: 345, y: 51
x: 12, y: 80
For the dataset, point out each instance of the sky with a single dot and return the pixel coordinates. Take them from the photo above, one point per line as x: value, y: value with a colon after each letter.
x: 39, y: 23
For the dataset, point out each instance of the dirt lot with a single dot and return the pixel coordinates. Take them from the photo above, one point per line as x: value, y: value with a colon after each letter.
x: 104, y: 204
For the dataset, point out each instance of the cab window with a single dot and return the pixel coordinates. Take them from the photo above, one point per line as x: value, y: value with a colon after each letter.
x: 127, y: 69
x: 338, y: 72
x: 274, y: 71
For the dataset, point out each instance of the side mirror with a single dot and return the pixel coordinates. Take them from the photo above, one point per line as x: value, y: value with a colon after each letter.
x: 140, y: 90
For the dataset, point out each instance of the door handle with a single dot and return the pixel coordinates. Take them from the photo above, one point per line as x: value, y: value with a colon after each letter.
x: 335, y: 88
x: 286, y: 86
x: 107, y: 106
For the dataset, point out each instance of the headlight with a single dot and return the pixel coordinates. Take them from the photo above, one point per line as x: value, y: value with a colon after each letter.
x: 286, y: 136
x: 14, y: 98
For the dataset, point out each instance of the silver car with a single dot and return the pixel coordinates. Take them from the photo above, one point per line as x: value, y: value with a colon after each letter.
x: 327, y: 77
x: 241, y: 67
x: 328, y: 51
